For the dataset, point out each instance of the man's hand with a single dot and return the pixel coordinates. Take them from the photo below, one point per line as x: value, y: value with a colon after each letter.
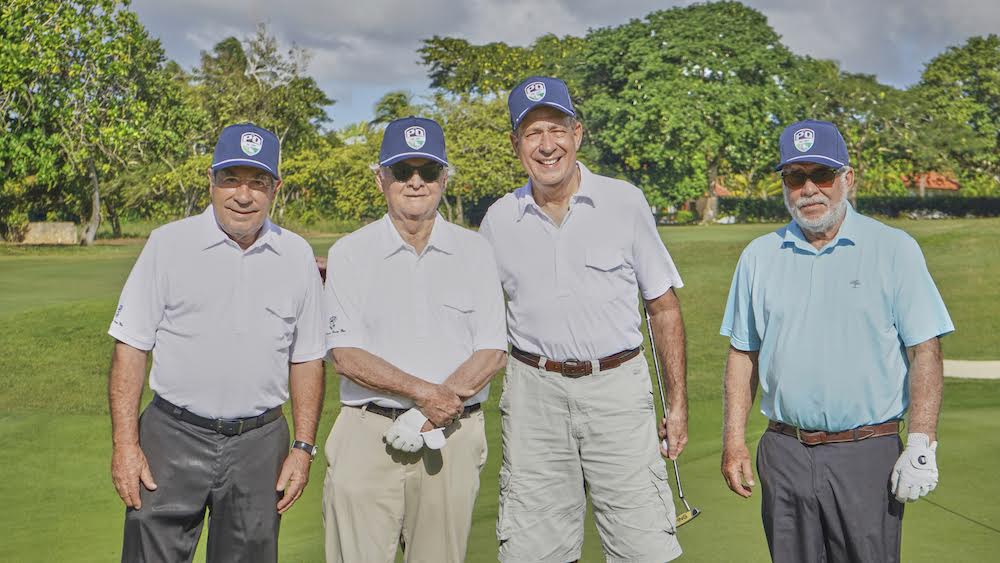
x: 293, y: 478
x: 915, y: 473
x: 128, y: 469
x: 404, y: 434
x: 737, y: 470
x: 440, y: 405
x: 673, y: 434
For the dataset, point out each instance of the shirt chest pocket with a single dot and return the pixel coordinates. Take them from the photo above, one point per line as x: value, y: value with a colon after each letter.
x: 279, y: 323
x: 455, y: 313
x: 607, y: 274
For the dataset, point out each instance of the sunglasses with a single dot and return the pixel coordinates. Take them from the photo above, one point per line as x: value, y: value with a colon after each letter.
x: 820, y: 176
x: 430, y: 172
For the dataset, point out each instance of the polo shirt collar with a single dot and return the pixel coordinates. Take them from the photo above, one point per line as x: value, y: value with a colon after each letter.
x: 441, y: 239
x: 846, y: 235
x: 585, y: 193
x: 213, y: 235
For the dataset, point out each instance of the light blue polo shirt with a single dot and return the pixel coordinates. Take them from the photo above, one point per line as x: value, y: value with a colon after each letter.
x: 832, y: 325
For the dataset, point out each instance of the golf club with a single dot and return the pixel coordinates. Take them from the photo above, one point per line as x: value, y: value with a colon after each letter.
x: 690, y: 513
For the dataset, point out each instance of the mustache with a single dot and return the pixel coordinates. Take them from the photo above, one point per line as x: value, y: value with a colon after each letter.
x: 818, y: 198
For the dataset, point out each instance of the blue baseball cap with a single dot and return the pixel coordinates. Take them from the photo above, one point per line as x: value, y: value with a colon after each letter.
x: 245, y: 144
x: 412, y: 137
x: 537, y: 91
x: 813, y: 141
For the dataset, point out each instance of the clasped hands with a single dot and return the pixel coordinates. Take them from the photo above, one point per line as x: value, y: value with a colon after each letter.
x: 423, y: 425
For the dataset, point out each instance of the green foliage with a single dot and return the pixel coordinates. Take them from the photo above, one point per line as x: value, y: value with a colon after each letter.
x: 755, y: 210
x: 684, y: 95
x: 477, y: 135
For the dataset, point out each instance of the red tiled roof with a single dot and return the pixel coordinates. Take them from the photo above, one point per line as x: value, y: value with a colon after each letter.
x: 934, y: 181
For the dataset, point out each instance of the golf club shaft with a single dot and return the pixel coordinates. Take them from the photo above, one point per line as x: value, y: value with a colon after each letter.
x: 663, y: 397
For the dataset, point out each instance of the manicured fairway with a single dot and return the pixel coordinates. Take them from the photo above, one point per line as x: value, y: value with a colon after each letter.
x: 54, y: 431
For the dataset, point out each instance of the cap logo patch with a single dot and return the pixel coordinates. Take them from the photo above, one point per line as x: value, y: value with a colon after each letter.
x: 535, y: 91
x: 415, y: 137
x: 251, y: 143
x: 804, y: 139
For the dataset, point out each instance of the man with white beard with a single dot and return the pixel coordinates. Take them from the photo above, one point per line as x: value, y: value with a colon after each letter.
x: 837, y: 318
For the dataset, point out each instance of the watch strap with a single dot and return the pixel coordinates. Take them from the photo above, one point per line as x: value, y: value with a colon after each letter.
x: 306, y: 447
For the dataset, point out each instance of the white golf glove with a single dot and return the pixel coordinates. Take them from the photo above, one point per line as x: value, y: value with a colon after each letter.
x: 915, y: 473
x: 434, y: 439
x: 404, y: 434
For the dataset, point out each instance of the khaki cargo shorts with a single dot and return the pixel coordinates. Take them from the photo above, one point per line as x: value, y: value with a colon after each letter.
x: 561, y: 435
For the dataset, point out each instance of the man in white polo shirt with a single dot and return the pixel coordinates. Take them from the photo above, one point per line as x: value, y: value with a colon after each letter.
x: 231, y: 306
x: 574, y: 250
x: 417, y: 322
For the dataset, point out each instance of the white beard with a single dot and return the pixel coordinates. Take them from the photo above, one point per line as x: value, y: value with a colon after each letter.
x: 834, y: 214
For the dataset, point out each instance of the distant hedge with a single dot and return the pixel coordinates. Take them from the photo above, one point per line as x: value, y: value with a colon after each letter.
x: 752, y: 210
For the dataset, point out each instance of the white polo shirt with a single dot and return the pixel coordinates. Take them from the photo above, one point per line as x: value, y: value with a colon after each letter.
x: 573, y: 289
x: 222, y: 323
x: 425, y: 314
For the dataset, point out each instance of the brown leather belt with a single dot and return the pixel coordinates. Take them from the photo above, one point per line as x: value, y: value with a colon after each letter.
x: 575, y: 368
x: 393, y: 413
x: 817, y: 437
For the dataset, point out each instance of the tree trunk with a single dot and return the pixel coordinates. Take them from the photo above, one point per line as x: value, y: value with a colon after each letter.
x: 712, y: 173
x: 922, y: 185
x: 447, y: 209
x: 90, y: 233
x: 459, y: 211
x: 116, y: 224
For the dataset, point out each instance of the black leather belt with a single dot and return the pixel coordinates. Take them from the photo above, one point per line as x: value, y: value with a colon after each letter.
x: 393, y: 413
x: 574, y: 368
x: 226, y: 427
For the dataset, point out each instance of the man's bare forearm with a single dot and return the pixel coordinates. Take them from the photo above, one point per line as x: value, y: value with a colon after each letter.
x: 306, y: 383
x: 671, y: 346
x: 926, y: 387
x: 368, y: 370
x: 739, y: 390
x: 125, y: 383
x: 475, y: 372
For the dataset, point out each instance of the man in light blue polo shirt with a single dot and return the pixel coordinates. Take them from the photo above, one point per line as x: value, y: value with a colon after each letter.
x: 837, y: 318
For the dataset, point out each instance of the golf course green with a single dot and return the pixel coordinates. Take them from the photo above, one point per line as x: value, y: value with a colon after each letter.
x: 56, y: 304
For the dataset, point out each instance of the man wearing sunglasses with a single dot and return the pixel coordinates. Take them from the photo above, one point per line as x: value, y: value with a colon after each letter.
x: 575, y: 251
x: 230, y: 305
x: 417, y: 331
x: 837, y: 319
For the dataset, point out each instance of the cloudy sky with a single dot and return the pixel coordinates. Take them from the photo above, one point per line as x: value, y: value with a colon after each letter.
x: 362, y: 49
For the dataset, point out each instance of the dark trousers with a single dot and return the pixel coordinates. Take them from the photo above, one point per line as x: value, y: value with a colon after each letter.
x: 195, y: 469
x: 829, y: 503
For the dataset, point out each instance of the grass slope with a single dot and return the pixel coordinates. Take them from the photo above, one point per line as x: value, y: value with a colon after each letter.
x: 54, y: 430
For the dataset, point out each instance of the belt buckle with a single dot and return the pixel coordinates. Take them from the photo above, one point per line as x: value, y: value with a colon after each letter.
x: 572, y: 364
x: 229, y: 427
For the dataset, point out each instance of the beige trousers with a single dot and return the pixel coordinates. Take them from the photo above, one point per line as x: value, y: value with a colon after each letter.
x: 375, y: 496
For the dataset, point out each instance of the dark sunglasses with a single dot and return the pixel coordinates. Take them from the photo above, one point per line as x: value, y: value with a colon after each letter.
x: 430, y: 172
x: 820, y: 176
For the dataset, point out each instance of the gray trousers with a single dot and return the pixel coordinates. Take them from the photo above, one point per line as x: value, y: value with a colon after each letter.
x: 829, y: 503
x: 195, y: 469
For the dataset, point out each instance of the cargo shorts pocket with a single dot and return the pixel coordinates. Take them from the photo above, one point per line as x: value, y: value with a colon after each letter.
x: 662, y: 485
x: 503, y: 513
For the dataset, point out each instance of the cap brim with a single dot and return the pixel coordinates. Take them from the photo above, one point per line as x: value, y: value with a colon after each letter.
x: 408, y: 155
x: 243, y: 162
x: 811, y: 158
x: 559, y: 107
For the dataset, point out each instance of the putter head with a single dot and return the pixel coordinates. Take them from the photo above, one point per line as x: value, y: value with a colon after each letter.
x: 687, y: 516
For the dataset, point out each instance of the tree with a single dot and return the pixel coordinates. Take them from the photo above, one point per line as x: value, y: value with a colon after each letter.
x: 459, y: 67
x: 255, y: 81
x: 80, y: 84
x: 961, y: 88
x: 476, y: 130
x: 395, y: 105
x: 684, y: 95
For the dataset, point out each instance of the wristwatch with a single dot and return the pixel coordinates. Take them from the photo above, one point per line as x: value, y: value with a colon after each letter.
x: 306, y: 447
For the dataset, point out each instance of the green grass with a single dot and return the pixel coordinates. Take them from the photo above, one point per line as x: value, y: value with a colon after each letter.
x: 57, y: 302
